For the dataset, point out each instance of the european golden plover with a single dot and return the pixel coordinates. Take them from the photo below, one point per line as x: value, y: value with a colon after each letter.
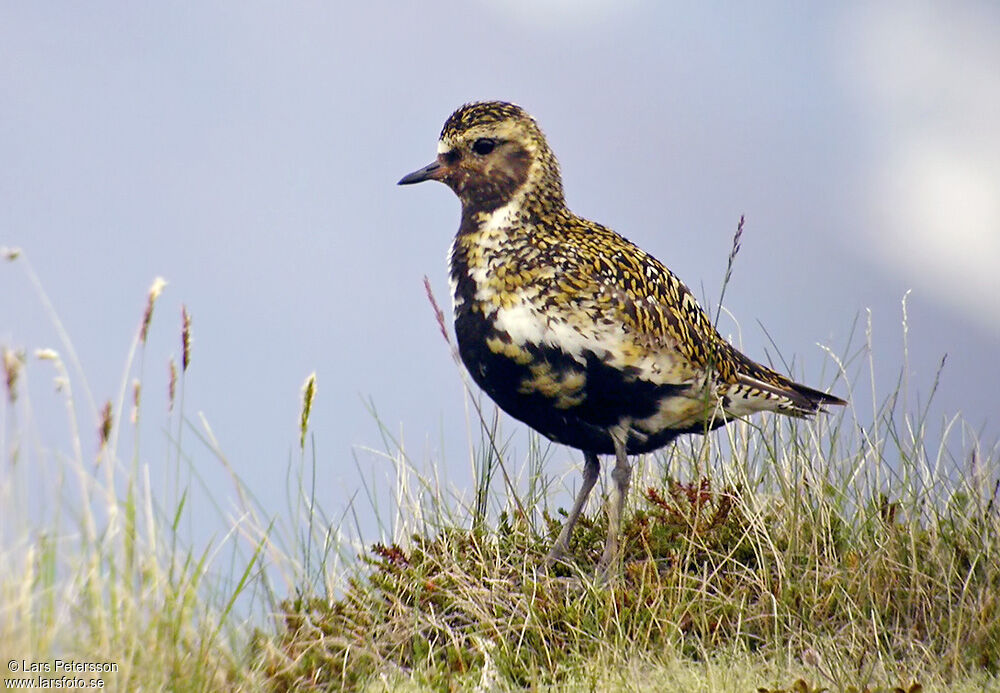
x: 571, y: 328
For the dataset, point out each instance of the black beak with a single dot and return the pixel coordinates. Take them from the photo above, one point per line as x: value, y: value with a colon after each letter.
x: 431, y: 171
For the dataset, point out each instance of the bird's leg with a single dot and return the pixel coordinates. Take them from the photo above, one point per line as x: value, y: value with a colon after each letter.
x: 591, y: 468
x: 621, y: 475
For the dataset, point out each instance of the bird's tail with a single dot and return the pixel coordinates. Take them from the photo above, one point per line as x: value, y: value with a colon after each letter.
x: 787, y: 397
x: 764, y: 389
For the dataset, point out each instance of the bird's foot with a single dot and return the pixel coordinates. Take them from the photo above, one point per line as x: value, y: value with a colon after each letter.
x: 554, y: 555
x: 608, y: 568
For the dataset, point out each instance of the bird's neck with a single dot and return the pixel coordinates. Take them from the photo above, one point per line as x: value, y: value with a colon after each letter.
x: 489, y: 222
x: 489, y: 239
x: 527, y: 206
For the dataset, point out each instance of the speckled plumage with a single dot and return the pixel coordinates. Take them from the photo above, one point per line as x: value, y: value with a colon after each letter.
x: 570, y: 327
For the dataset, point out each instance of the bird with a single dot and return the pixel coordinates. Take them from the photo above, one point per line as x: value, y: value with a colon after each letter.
x: 574, y: 330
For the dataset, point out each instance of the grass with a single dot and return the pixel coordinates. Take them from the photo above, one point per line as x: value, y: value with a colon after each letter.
x: 791, y: 574
x: 857, y: 552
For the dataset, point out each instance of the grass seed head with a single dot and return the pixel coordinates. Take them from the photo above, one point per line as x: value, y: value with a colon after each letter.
x: 47, y: 355
x: 10, y: 254
x: 147, y: 315
x: 104, y: 430
x: 308, y: 394
x: 13, y: 361
x: 172, y: 385
x: 737, y: 239
x: 136, y: 397
x: 438, y: 313
x: 185, y: 338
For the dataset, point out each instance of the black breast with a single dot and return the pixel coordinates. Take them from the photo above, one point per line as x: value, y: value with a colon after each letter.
x: 579, y: 401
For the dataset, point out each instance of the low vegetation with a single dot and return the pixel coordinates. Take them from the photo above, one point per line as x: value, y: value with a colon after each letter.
x: 857, y: 552
x: 877, y: 592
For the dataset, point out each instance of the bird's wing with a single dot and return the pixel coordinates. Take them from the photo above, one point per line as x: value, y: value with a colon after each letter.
x: 656, y: 309
x: 661, y: 317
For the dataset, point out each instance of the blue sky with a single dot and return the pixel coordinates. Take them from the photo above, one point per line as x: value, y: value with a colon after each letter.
x: 248, y: 152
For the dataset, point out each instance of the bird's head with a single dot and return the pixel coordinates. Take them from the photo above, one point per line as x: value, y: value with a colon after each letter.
x: 489, y: 152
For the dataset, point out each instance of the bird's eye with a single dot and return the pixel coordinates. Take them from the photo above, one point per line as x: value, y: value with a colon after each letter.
x: 483, y: 146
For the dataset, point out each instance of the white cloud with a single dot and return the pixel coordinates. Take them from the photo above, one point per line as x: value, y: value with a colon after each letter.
x: 927, y: 79
x: 942, y: 208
